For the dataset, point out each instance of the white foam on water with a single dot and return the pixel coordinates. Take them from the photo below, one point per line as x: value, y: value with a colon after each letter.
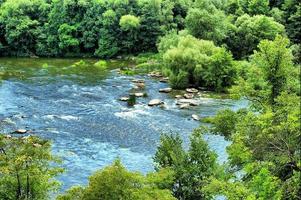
x: 133, y: 114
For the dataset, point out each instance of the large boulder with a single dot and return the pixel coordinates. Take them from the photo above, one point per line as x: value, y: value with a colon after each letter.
x: 155, y: 102
x: 165, y: 90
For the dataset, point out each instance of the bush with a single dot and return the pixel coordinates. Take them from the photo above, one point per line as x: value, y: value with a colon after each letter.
x: 197, y: 62
x: 101, y: 65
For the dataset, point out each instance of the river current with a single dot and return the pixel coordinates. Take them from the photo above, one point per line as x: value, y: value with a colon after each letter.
x: 79, y: 111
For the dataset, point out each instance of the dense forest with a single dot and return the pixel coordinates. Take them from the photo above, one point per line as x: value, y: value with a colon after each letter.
x: 248, y: 49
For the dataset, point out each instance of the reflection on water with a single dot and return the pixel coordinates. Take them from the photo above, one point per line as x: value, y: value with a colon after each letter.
x: 78, y: 109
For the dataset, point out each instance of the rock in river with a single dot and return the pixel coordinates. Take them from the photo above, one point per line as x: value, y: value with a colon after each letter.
x: 192, y: 90
x: 191, y: 102
x: 155, y: 102
x: 139, y: 94
x: 195, y: 117
x: 21, y: 131
x: 188, y: 96
x: 184, y: 106
x: 164, y: 80
x: 165, y: 90
x: 124, y: 98
x: 138, y: 81
x: 140, y: 85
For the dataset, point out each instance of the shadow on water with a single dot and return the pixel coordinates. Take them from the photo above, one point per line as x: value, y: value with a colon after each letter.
x: 77, y: 107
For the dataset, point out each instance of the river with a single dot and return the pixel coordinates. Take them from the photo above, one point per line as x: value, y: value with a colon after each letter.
x: 77, y: 108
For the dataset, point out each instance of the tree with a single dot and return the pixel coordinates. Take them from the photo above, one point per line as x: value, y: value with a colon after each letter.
x: 21, y: 21
x: 258, y: 7
x: 191, y: 168
x: 197, y: 62
x: 27, y: 168
x: 115, y: 182
x: 205, y: 21
x: 67, y: 38
x: 270, y: 74
x: 265, y: 143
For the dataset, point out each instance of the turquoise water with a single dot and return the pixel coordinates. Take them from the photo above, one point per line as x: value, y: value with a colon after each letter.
x: 78, y: 109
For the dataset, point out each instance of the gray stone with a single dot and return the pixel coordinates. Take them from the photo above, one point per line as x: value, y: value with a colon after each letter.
x: 165, y: 90
x: 192, y: 90
x: 21, y: 131
x: 195, y: 117
x: 155, y: 102
x: 124, y: 98
x: 188, y: 96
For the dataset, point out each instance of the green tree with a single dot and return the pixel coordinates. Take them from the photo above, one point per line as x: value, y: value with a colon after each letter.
x: 250, y: 31
x: 115, y: 182
x: 270, y: 73
x: 206, y: 22
x: 192, y: 168
x: 67, y: 38
x: 21, y: 21
x: 197, y: 62
x: 27, y: 168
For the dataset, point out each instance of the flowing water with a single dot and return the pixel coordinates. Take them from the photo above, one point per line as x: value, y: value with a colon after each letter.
x: 78, y: 109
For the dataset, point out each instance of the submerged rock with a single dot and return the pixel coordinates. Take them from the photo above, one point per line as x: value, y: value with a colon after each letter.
x: 178, y: 96
x: 195, y: 117
x: 165, y: 90
x: 155, y: 102
x: 138, y: 81
x: 192, y: 90
x: 184, y: 106
x: 140, y: 85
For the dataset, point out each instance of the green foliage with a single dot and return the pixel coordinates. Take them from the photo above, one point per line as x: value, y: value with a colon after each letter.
x: 86, y: 27
x: 250, y: 31
x: 258, y: 7
x: 115, y: 182
x: 67, y: 38
x: 270, y: 73
x: 102, y: 64
x: 197, y: 62
x: 129, y: 22
x: 27, y: 168
x: 265, y: 144
x: 206, y: 22
x: 192, y: 168
x: 132, y: 100
x: 21, y: 23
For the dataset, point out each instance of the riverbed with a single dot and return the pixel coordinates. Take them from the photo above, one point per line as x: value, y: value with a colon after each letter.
x: 78, y: 109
